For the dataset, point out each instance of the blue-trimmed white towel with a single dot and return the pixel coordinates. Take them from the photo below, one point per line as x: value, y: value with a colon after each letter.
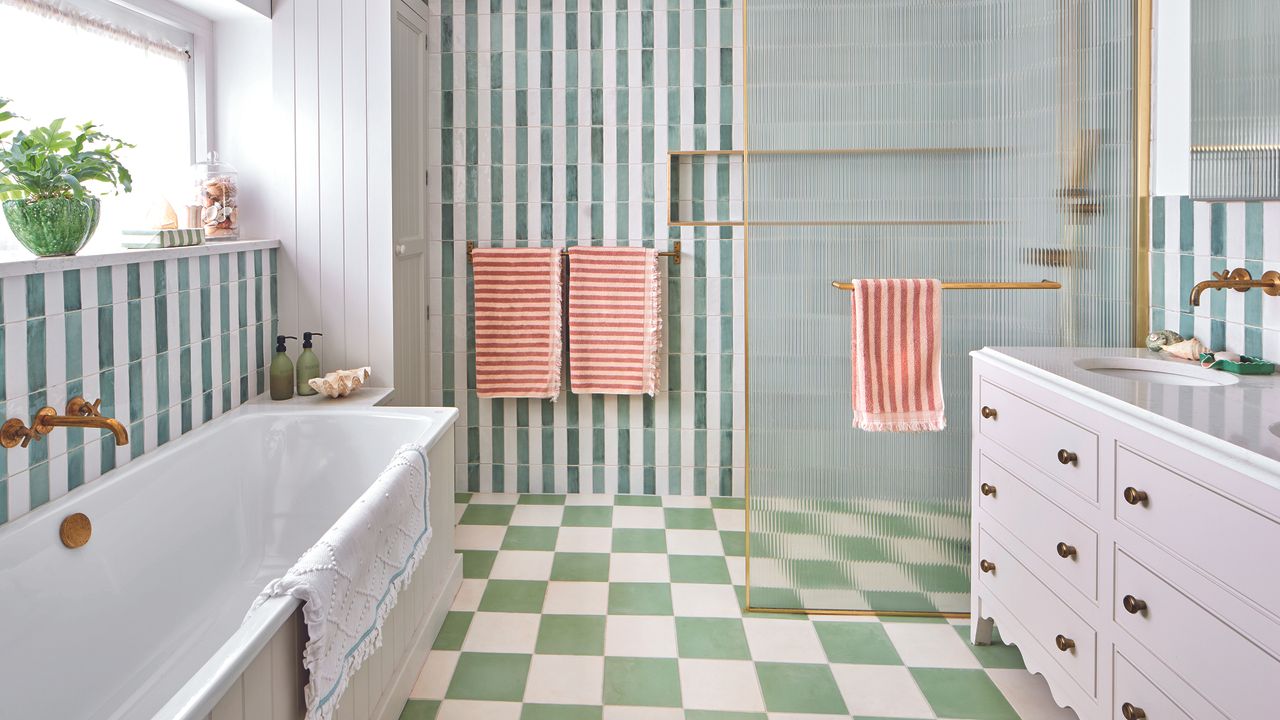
x: 349, y: 580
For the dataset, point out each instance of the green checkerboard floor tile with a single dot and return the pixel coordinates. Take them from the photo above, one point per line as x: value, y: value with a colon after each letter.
x: 667, y: 634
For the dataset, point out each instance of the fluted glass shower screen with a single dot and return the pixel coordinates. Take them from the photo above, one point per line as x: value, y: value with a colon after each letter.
x: 965, y: 140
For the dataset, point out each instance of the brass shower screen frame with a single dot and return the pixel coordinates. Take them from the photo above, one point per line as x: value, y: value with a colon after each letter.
x: 1140, y: 243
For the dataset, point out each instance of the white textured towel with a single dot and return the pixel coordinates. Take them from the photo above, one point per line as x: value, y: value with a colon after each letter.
x: 349, y: 580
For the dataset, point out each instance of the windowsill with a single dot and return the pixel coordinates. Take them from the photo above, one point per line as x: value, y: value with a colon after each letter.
x: 20, y: 262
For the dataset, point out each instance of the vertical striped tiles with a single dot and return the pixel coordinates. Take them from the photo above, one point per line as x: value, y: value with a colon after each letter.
x: 552, y: 127
x: 166, y: 344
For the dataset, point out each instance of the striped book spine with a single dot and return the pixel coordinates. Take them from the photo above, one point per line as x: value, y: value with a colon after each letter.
x: 518, y: 322
x: 615, y: 320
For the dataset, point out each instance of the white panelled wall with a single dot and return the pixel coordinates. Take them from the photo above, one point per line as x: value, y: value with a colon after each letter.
x: 332, y: 199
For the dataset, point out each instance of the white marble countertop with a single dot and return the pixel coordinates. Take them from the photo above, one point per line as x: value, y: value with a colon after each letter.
x: 1230, y: 418
x: 20, y: 262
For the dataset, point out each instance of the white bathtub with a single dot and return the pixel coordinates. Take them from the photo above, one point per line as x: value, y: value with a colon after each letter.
x: 145, y: 620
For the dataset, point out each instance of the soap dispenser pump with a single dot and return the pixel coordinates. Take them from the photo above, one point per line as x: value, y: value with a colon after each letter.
x: 282, y: 370
x: 308, y: 365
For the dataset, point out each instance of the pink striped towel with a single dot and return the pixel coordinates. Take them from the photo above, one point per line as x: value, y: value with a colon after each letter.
x: 897, y: 355
x: 518, y: 322
x: 615, y: 320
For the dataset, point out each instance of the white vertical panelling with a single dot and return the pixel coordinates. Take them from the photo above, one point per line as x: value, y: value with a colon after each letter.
x: 286, y: 188
x: 355, y: 181
x: 334, y: 63
x: 333, y: 86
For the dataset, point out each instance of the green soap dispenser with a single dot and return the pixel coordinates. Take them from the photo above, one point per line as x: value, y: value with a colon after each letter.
x: 282, y: 370
x: 308, y: 364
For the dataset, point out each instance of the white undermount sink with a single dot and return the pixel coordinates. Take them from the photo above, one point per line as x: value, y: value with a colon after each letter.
x: 1157, y: 372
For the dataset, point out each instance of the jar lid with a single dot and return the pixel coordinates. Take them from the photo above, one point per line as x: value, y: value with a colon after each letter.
x: 213, y: 165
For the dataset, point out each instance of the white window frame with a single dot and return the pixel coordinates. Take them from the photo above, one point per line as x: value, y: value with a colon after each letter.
x: 183, y: 26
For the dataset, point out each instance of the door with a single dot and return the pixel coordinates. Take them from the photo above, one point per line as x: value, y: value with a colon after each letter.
x: 409, y: 203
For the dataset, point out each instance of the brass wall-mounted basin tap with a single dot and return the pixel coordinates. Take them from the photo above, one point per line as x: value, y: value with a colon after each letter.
x: 1239, y: 280
x: 80, y: 414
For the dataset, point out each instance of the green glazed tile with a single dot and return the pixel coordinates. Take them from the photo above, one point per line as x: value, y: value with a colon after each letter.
x: 722, y: 715
x: 799, y: 688
x: 489, y: 676
x: 650, y: 682
x: 580, y: 567
x: 462, y: 498
x: 734, y: 542
x: 689, y: 519
x: 729, y: 503
x: 476, y: 564
x: 453, y: 631
x: 861, y: 643
x: 534, y: 499
x: 630, y: 540
x: 698, y: 569
x: 420, y: 710
x: 587, y: 516
x: 963, y: 694
x: 714, y: 638
x: 639, y: 599
x: 995, y: 655
x: 513, y: 596
x: 561, y: 712
x: 487, y: 515
x: 521, y: 537
x: 571, y: 635
x: 638, y: 500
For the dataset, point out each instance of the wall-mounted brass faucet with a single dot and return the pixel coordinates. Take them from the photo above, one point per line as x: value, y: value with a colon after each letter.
x: 80, y: 414
x: 1239, y: 280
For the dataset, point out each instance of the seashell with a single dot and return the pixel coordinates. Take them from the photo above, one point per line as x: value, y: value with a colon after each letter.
x: 340, y: 383
x: 1159, y: 339
x: 1187, y: 349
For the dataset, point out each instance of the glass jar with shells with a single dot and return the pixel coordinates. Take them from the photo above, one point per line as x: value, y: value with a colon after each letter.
x: 217, y: 202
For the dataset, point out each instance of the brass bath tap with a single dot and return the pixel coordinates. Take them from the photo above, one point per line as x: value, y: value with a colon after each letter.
x: 80, y: 414
x: 1239, y: 280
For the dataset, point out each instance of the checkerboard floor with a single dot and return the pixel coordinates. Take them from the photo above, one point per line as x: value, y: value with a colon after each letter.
x: 626, y: 607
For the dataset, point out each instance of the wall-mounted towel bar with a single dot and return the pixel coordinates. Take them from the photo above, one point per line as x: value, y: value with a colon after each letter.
x: 1042, y: 285
x: 673, y: 253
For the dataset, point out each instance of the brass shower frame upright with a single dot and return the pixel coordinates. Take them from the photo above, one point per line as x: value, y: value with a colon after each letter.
x: 1139, y: 240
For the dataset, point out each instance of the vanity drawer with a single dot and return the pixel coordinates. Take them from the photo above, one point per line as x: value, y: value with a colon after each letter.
x: 1041, y: 611
x: 1064, y: 543
x: 1064, y: 450
x: 1207, y: 529
x: 1136, y: 693
x: 1225, y: 667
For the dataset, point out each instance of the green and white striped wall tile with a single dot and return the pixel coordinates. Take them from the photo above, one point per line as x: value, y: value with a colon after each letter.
x: 167, y: 345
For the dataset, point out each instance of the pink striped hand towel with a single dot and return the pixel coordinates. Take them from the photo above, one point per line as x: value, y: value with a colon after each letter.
x: 897, y: 355
x: 518, y: 322
x: 615, y: 320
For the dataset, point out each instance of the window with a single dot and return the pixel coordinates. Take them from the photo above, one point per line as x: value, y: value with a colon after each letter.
x: 130, y: 74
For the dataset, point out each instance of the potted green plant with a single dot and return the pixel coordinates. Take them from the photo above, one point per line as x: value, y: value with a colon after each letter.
x: 43, y: 172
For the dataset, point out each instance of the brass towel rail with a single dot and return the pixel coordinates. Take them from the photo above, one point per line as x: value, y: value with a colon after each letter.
x: 1041, y: 285
x: 674, y: 253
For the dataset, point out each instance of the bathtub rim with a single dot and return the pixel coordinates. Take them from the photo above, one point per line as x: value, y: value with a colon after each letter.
x: 219, y: 672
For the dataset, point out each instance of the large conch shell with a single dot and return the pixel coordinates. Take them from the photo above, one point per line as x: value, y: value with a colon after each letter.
x: 1187, y: 349
x: 340, y: 383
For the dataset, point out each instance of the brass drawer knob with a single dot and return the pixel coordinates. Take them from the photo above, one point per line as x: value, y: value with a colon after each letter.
x: 988, y: 412
x: 75, y: 530
x: 1134, y: 496
x: 987, y: 566
x: 1064, y: 643
x: 1066, y: 551
x: 988, y: 489
x: 1132, y: 712
x: 1133, y: 605
x: 1066, y: 457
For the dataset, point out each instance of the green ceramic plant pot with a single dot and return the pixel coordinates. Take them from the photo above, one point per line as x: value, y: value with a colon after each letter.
x: 53, y: 226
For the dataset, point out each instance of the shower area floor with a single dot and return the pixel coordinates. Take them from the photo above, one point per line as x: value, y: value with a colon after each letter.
x: 630, y: 607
